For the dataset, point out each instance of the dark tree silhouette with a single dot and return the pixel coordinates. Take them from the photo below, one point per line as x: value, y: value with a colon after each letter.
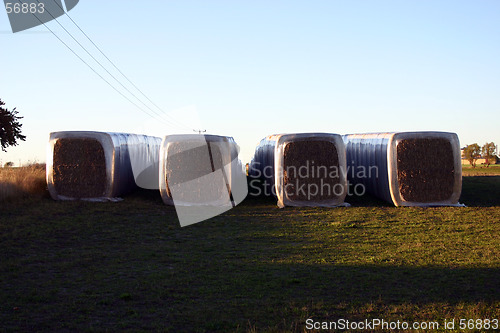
x: 10, y: 128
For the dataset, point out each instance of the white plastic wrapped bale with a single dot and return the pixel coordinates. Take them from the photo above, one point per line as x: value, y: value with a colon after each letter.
x: 305, y: 169
x: 201, y: 175
x: 407, y: 168
x: 100, y: 166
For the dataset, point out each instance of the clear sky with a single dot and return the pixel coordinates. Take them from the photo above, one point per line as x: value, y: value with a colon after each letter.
x: 248, y: 69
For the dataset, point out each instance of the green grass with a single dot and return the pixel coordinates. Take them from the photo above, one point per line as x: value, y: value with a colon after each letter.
x: 79, y: 266
x: 481, y: 170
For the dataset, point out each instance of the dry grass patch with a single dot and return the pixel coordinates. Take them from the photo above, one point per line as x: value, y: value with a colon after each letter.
x: 22, y: 182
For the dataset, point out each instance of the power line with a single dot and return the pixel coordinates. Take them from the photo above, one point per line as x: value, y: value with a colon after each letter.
x: 159, y: 117
x: 98, y: 62
x: 125, y: 76
x: 128, y: 99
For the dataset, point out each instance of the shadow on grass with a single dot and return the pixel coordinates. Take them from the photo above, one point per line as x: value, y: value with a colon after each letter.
x: 79, y: 266
x: 140, y: 194
x: 271, y: 293
x: 366, y: 200
x: 481, y: 191
x: 390, y: 284
x: 265, y: 294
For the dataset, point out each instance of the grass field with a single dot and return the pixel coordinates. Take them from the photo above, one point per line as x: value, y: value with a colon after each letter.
x: 128, y: 266
x: 492, y: 170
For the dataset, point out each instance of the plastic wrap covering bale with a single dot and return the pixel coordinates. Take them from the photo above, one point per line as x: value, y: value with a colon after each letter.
x: 201, y: 175
x: 407, y: 168
x: 306, y: 169
x: 100, y: 166
x: 144, y: 152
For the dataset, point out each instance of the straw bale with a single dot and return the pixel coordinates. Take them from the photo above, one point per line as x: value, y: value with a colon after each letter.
x: 189, y: 165
x: 425, y: 169
x: 319, y: 157
x: 79, y: 168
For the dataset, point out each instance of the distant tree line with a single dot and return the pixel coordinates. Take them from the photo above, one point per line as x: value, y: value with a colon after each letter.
x: 473, y: 152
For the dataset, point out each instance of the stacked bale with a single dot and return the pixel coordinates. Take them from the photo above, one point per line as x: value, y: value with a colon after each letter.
x: 407, y: 168
x: 306, y: 169
x: 99, y: 166
x: 201, y: 170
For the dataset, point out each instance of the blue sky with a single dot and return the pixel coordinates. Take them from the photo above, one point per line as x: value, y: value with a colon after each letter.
x: 248, y: 69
